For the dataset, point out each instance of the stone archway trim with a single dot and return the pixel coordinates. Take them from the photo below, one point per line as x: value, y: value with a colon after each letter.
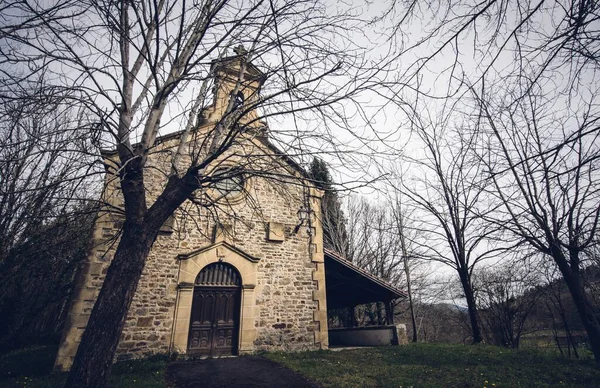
x: 190, y: 265
x: 224, y: 244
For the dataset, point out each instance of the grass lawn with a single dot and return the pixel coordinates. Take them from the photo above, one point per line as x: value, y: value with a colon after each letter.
x: 422, y: 365
x: 32, y: 367
x: 441, y: 365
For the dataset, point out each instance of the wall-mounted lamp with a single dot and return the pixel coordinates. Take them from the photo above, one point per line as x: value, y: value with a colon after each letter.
x: 303, y: 215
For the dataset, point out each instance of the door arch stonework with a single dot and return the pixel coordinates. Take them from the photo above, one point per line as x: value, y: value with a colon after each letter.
x: 190, y: 266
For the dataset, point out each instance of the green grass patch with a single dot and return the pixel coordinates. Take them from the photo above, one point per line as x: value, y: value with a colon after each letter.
x: 32, y: 367
x: 420, y: 365
x: 440, y: 365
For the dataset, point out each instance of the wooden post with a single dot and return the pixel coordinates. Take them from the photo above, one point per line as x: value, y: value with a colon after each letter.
x: 389, y: 312
x: 353, y: 316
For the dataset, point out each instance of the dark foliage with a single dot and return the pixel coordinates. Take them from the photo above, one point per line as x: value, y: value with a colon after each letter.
x: 37, y: 279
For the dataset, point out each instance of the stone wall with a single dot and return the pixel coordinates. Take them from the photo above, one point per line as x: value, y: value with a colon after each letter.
x: 288, y: 307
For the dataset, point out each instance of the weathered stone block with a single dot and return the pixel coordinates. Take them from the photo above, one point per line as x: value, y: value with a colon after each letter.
x: 275, y: 232
x: 81, y: 320
x: 144, y: 321
x: 95, y: 269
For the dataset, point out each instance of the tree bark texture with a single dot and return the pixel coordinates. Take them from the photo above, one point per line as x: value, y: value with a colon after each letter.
x: 472, y: 307
x: 99, y: 342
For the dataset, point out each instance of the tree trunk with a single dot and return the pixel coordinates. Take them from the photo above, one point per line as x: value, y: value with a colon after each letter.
x: 556, y: 339
x: 95, y: 354
x: 469, y: 295
x: 587, y: 313
x: 93, y: 361
x: 410, y: 299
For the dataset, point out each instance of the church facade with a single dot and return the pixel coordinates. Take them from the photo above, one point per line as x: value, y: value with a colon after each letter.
x: 245, y: 276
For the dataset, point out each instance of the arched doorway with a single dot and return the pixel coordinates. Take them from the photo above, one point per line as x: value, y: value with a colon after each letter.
x: 214, y: 321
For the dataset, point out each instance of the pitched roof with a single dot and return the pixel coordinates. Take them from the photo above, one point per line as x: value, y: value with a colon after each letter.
x: 348, y: 285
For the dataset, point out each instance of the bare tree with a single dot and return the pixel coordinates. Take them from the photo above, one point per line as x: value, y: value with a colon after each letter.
x: 38, y: 278
x: 542, y: 164
x: 562, y: 313
x: 447, y: 191
x: 143, y: 69
x: 533, y: 66
x: 47, y: 177
x: 409, y: 256
x: 506, y: 295
x: 375, y: 247
x: 374, y: 242
x: 44, y: 165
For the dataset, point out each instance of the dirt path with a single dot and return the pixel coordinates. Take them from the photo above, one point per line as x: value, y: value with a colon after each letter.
x: 235, y: 372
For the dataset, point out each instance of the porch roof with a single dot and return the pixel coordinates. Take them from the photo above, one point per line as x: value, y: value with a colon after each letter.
x: 349, y: 285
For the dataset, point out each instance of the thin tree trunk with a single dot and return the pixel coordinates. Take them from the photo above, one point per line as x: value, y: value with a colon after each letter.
x: 410, y: 299
x: 563, y: 317
x: 555, y: 335
x: 407, y: 272
x: 570, y: 341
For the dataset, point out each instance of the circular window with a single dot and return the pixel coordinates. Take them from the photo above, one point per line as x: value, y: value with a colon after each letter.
x: 229, y: 184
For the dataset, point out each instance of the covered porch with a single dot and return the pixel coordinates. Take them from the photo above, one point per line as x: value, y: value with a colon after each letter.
x: 349, y: 286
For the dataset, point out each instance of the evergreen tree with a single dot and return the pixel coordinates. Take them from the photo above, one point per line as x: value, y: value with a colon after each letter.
x: 335, y: 236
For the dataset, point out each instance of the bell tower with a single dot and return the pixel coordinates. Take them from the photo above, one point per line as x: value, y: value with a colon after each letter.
x: 237, y: 84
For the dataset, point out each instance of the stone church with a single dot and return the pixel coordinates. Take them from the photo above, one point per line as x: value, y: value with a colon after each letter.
x: 249, y: 275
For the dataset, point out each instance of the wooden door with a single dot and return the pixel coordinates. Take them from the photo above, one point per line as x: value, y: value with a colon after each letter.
x: 225, y: 328
x: 214, y: 323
